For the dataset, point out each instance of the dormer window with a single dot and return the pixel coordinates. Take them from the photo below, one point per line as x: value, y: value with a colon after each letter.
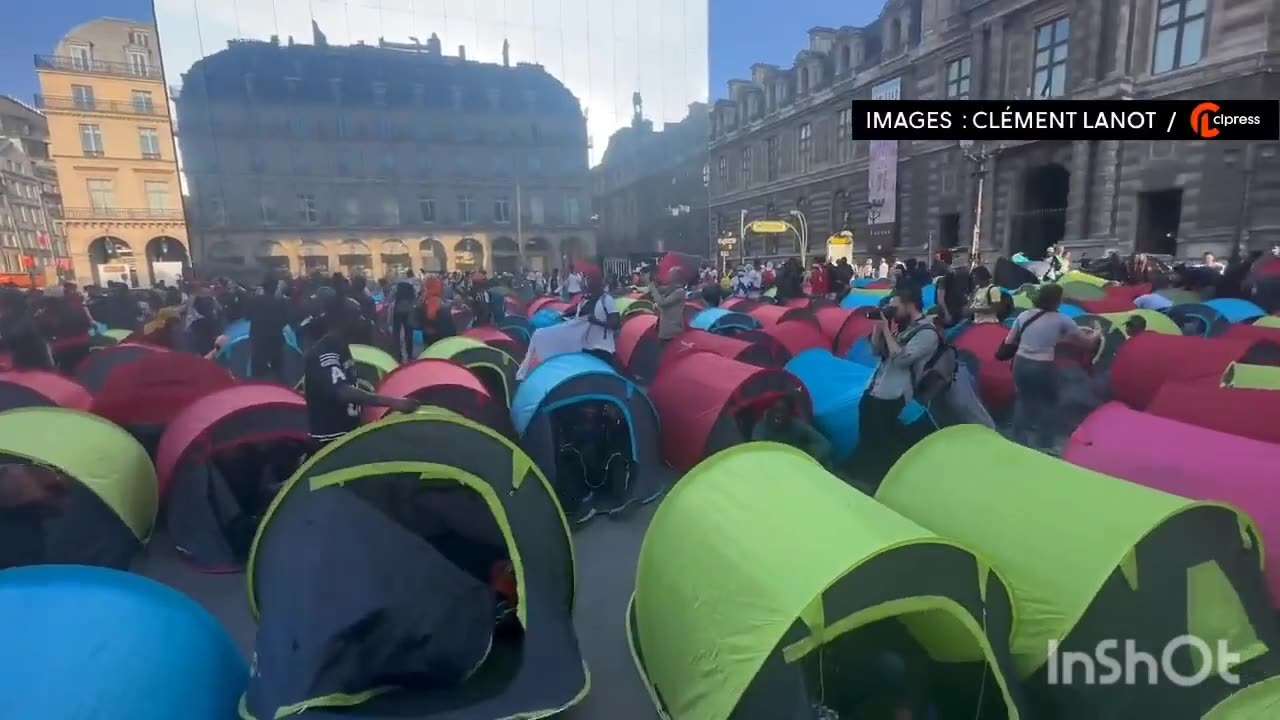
x: 846, y: 59
x: 804, y: 81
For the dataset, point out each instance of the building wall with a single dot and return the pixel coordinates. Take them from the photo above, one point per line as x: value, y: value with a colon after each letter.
x: 28, y: 129
x: 145, y: 228
x: 1110, y: 54
x: 274, y: 181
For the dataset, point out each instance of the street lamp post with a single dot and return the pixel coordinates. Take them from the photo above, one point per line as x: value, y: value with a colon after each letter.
x: 1248, y: 168
x: 742, y: 235
x: 803, y: 233
x: 978, y: 155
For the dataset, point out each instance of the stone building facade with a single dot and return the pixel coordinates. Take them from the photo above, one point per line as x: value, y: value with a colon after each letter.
x: 649, y: 190
x: 32, y: 238
x: 781, y: 141
x: 380, y: 159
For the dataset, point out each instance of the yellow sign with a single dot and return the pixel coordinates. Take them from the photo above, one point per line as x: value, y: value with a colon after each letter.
x: 840, y: 239
x: 769, y: 227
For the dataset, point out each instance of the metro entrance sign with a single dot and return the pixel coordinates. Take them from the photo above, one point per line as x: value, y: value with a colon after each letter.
x: 770, y: 227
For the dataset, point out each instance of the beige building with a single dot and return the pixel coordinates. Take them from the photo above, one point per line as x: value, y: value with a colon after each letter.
x: 111, y: 140
x: 380, y: 159
x: 781, y: 141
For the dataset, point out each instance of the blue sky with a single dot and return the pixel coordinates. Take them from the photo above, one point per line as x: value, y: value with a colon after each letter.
x: 741, y: 32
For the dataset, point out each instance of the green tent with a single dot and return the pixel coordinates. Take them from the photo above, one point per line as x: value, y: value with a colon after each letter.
x: 373, y: 363
x: 759, y: 565
x: 633, y: 306
x: 1243, y: 376
x: 1156, y: 322
x: 1092, y: 559
x: 1270, y: 321
x: 1082, y: 291
x: 496, y: 369
x: 1075, y: 276
x: 1179, y: 296
x: 110, y: 506
x: 118, y: 334
x: 1023, y: 301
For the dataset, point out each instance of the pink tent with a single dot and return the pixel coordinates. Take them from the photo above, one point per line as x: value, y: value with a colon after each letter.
x: 1189, y: 461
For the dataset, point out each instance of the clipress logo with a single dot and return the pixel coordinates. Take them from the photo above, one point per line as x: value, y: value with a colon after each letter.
x: 1116, y: 663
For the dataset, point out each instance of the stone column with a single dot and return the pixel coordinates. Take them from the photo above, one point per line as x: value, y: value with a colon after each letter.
x: 375, y: 259
x: 1079, y: 200
x: 1105, y: 192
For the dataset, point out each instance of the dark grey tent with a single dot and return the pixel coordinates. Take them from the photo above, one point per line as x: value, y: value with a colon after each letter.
x: 377, y: 571
x: 575, y: 378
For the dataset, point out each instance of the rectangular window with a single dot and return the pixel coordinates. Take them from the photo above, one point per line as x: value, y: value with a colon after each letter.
x: 844, y: 135
x: 139, y: 63
x: 1050, y: 76
x: 91, y: 140
x: 804, y: 147
x: 722, y: 171
x: 537, y: 213
x: 149, y: 140
x: 142, y: 102
x: 157, y: 195
x: 572, y: 213
x: 81, y: 57
x: 82, y: 97
x: 102, y: 194
x: 139, y: 38
x: 267, y: 209
x: 502, y: 210
x: 464, y: 209
x: 1179, y: 35
x: 427, y: 209
x: 771, y: 158
x: 958, y: 79
x: 746, y: 166
x: 391, y: 212
x: 307, y: 209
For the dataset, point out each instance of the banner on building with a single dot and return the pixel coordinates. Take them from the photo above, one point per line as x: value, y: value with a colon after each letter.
x: 882, y: 182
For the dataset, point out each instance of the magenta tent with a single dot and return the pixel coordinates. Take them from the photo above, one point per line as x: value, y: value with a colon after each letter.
x: 1189, y: 461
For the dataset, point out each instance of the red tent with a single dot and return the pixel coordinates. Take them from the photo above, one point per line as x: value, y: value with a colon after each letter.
x: 99, y: 364
x: 638, y: 348
x: 691, y: 341
x: 686, y: 264
x: 691, y: 309
x: 773, y: 314
x: 800, y: 302
x: 496, y: 338
x: 538, y: 304
x: 443, y: 384
x: 1248, y: 413
x: 1149, y: 360
x: 797, y: 337
x: 37, y: 388
x: 708, y: 403
x: 1116, y: 301
x: 843, y: 327
x: 995, y: 378
x: 742, y: 305
x: 1251, y: 332
x: 145, y: 395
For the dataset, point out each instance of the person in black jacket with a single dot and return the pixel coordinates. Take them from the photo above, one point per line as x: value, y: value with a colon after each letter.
x: 268, y: 314
x: 402, y: 303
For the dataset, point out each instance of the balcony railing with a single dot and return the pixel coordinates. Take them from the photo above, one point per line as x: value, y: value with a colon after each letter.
x: 92, y: 213
x: 98, y: 67
x: 48, y: 102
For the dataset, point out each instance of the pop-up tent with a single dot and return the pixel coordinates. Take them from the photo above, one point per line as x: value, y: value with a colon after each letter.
x: 793, y: 336
x: 37, y: 388
x: 723, y: 322
x: 859, y: 298
x: 109, y: 506
x: 1236, y: 310
x: 634, y: 306
x: 1090, y: 559
x: 1193, y: 462
x: 715, y: 638
x: 447, y: 385
x: 1254, y: 331
x: 495, y: 368
x: 537, y: 305
x: 976, y: 346
x: 218, y: 464
x: 144, y: 396
x: 83, y: 642
x: 399, y: 526
x: 546, y: 317
x: 1199, y: 319
x: 372, y: 364
x: 517, y: 327
x: 735, y: 348
x: 769, y: 315
x: 739, y: 305
x: 708, y: 403
x: 1243, y: 376
x: 97, y: 366
x: 1247, y: 413
x: 237, y: 355
x: 1270, y: 321
x: 1150, y: 360
x: 836, y: 387
x: 638, y: 348
x: 572, y: 379
x: 498, y: 338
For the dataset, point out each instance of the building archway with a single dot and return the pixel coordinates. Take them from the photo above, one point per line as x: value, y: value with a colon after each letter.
x: 432, y: 255
x: 537, y: 252
x: 395, y: 259
x: 225, y: 256
x: 1041, y: 218
x: 315, y: 258
x: 468, y: 255
x: 506, y: 255
x: 112, y: 260
x: 273, y: 255
x: 354, y: 258
x: 167, y: 260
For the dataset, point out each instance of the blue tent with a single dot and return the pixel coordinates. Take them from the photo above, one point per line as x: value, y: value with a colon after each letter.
x: 837, y: 387
x: 239, y: 330
x: 854, y: 300
x: 721, y: 321
x: 1236, y: 310
x: 237, y: 355
x: 545, y: 319
x: 861, y: 354
x: 84, y: 642
x: 1072, y: 311
x: 573, y: 378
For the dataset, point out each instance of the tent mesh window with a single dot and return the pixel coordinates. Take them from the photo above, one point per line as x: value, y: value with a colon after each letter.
x: 593, y: 449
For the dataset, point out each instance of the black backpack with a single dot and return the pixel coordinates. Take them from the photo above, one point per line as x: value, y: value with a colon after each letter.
x: 939, y: 372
